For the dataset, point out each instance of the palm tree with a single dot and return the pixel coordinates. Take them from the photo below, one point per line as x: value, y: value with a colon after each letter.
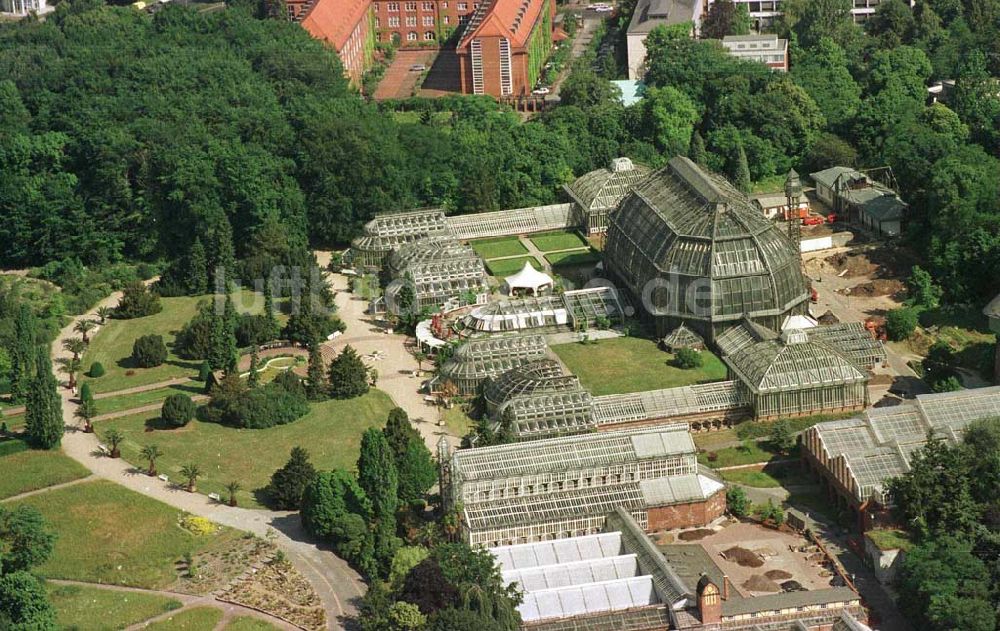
x: 114, y: 438
x: 86, y: 412
x: 151, y: 453
x: 84, y: 327
x: 233, y: 488
x: 70, y: 366
x: 191, y: 473
x: 104, y: 313
x: 75, y: 345
x: 421, y: 357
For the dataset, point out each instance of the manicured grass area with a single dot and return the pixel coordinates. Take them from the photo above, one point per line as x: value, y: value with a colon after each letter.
x: 887, y: 539
x: 108, y: 534
x: 632, y: 364
x: 23, y: 469
x: 15, y: 422
x: 507, y: 267
x: 140, y: 399
x: 331, y: 433
x: 573, y: 257
x: 196, y: 619
x: 367, y: 286
x: 751, y: 477
x: 95, y: 609
x: 248, y: 623
x: 552, y: 241
x: 112, y: 345
x: 457, y: 421
x: 763, y: 429
x: 751, y: 453
x: 500, y: 246
x: 815, y: 502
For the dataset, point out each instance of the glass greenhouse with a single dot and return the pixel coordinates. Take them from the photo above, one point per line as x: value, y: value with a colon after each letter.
x: 598, y: 193
x: 479, y: 359
x: 388, y: 231
x: 439, y: 268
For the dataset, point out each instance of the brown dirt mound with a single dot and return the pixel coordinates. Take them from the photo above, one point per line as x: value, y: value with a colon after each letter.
x: 828, y: 318
x: 877, y: 287
x: 758, y: 583
x: 695, y: 535
x: 743, y: 557
x: 855, y: 264
x: 777, y: 575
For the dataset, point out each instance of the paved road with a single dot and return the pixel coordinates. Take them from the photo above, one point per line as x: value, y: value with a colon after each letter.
x: 338, y: 586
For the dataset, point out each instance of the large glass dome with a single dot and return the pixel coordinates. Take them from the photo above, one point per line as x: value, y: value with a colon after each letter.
x: 689, y: 248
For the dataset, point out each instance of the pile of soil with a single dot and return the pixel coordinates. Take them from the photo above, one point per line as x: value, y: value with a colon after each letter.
x: 758, y: 583
x: 877, y: 287
x: 855, y: 264
x: 828, y: 318
x: 792, y: 586
x: 695, y: 535
x: 777, y: 575
x: 742, y: 556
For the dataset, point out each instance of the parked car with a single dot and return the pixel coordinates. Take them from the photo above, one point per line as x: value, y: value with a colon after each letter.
x: 418, y: 68
x: 600, y: 7
x: 813, y: 220
x: 541, y: 90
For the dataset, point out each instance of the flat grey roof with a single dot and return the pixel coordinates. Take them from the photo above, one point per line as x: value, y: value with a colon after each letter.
x: 652, y: 13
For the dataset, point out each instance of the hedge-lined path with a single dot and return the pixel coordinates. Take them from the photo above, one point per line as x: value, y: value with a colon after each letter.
x: 338, y: 586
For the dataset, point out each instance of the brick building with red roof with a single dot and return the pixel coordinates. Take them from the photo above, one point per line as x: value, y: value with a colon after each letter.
x: 503, y: 46
x: 347, y: 25
x: 420, y: 22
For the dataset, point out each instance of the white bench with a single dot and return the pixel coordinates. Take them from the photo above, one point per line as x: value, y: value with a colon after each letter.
x: 215, y: 497
x: 163, y: 476
x: 103, y: 449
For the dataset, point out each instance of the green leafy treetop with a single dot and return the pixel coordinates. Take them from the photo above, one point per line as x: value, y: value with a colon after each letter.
x: 137, y: 301
x: 336, y: 508
x: 23, y: 354
x: 348, y: 375
x: 25, y: 542
x: 288, y: 483
x: 378, y: 477
x: 43, y: 414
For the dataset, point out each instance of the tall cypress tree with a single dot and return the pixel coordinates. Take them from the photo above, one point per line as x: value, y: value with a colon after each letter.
x: 22, y: 357
x: 197, y: 269
x: 269, y: 313
x: 742, y: 175
x: 697, y: 150
x: 43, y: 414
x: 231, y: 349
x: 315, y: 375
x: 223, y: 252
x: 253, y: 379
x: 377, y: 476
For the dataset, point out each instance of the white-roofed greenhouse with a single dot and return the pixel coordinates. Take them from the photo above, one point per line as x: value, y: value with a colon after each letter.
x: 439, y: 269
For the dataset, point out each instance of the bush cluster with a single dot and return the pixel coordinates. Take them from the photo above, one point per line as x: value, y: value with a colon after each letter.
x: 149, y: 351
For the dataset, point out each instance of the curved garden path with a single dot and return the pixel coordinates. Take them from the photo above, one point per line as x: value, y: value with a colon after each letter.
x: 337, y: 585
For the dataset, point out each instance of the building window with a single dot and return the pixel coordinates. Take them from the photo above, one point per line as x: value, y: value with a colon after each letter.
x: 428, y: 6
x: 411, y: 20
x: 410, y: 6
x: 428, y: 20
x: 463, y: 6
x: 394, y: 22
x: 377, y: 24
x: 447, y: 20
x: 392, y: 6
x: 411, y: 36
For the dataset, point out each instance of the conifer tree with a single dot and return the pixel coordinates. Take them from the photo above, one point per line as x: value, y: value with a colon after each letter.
x: 697, y: 151
x: 269, y: 313
x: 223, y: 252
x: 378, y: 478
x: 742, y: 176
x: 87, y: 409
x: 289, y: 482
x: 348, y: 375
x: 253, y: 379
x: 315, y: 379
x: 43, y: 413
x: 197, y: 269
x: 22, y: 357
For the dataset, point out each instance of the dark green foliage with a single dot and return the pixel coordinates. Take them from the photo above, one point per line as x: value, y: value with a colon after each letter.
x: 378, y: 477
x: 43, y: 421
x: 204, y: 371
x: 194, y: 340
x: 253, y: 377
x: 923, y: 290
x: 137, y: 301
x: 335, y: 508
x: 289, y: 482
x: 687, y: 358
x: 316, y: 386
x: 149, y: 351
x: 724, y: 17
x: 254, y: 330
x: 348, y: 375
x: 291, y: 382
x: 414, y: 464
x: 96, y: 370
x: 741, y: 172
x: 87, y: 409
x: 782, y: 436
x: 697, y: 149
x: 233, y: 403
x: 223, y: 352
x: 452, y: 619
x: 197, y: 269
x: 737, y: 501
x: 22, y: 355
x: 178, y: 410
x: 24, y: 603
x: 944, y: 586
x: 25, y: 540
x: 900, y: 323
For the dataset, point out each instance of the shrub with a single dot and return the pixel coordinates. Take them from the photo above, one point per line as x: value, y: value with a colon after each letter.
x: 149, y: 351
x: 686, y: 358
x: 289, y: 482
x: 194, y: 340
x: 204, y: 372
x: 348, y: 375
x: 96, y: 370
x: 178, y: 410
x: 254, y: 330
x: 900, y: 323
x: 198, y: 525
x: 737, y: 501
x: 236, y: 405
x: 137, y: 301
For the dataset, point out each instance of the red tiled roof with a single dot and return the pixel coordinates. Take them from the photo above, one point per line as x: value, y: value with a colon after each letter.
x: 335, y: 20
x: 500, y: 18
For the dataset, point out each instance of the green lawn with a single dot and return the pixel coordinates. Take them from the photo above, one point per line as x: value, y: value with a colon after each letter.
x: 632, y: 364
x: 331, y: 433
x: 15, y: 422
x: 248, y: 623
x: 112, y: 345
x: 573, y: 257
x: 814, y: 501
x: 196, y: 619
x: 751, y: 477
x: 753, y: 453
x: 81, y: 608
x: 457, y: 421
x: 23, y: 469
x: 108, y: 534
x: 501, y: 246
x: 552, y: 241
x: 890, y: 539
x: 367, y: 286
x: 140, y: 399
x: 508, y: 267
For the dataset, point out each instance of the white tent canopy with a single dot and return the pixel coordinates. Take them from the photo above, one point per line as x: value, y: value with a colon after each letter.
x: 528, y: 278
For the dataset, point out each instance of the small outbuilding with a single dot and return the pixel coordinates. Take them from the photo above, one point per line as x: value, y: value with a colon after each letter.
x: 528, y: 278
x: 682, y: 337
